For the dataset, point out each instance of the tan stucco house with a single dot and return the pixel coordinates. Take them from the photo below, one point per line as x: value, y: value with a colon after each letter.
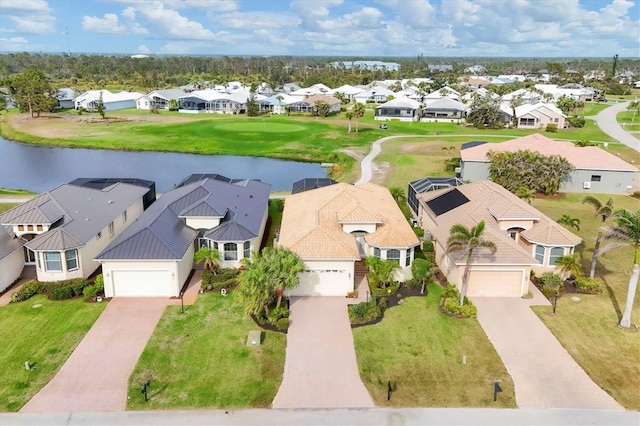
x: 333, y: 227
x: 526, y: 239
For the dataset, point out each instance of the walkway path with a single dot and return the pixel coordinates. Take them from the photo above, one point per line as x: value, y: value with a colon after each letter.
x: 544, y: 374
x: 366, y: 166
x: 320, y: 370
x: 607, y: 122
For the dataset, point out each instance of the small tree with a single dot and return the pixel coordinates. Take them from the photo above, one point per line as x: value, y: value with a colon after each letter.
x: 569, y: 265
x: 210, y: 257
x: 321, y: 108
x: 569, y: 221
x: 398, y: 194
x: 349, y: 116
x: 100, y: 107
x: 423, y: 270
x: 604, y: 211
x: 358, y: 113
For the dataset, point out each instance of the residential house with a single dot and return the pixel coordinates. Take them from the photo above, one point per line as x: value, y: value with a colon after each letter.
x: 526, y: 240
x: 347, y: 91
x: 111, y: 101
x: 440, y: 67
x: 65, y: 97
x: 534, y: 116
x: 475, y: 69
x: 596, y: 170
x: 154, y: 256
x: 277, y: 104
x: 375, y: 94
x: 469, y: 97
x: 63, y: 229
x: 11, y: 257
x: 159, y: 99
x: 333, y: 227
x: 525, y: 96
x: 400, y: 108
x: 577, y: 92
x: 316, y: 89
x: 308, y: 104
x: 213, y: 101
x: 444, y: 109
x: 444, y: 92
x: 428, y: 184
x: 366, y: 65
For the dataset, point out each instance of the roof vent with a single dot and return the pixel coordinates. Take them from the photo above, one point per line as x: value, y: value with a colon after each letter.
x: 86, y: 219
x: 110, y: 202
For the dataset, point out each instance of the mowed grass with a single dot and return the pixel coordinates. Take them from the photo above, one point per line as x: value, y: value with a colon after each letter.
x: 420, y: 350
x: 200, y: 359
x: 43, y: 336
x: 588, y: 329
x: 15, y: 192
x: 6, y: 206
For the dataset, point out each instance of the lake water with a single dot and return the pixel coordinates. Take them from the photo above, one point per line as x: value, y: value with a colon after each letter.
x: 38, y: 168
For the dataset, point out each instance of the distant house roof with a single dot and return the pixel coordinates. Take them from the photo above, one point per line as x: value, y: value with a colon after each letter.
x: 310, y: 183
x: 347, y: 89
x: 102, y: 183
x: 107, y: 96
x: 400, y: 102
x: 75, y: 213
x: 440, y: 67
x: 280, y: 99
x: 161, y: 232
x: 587, y: 157
x: 328, y: 99
x: 312, y: 221
x: 168, y: 94
x: 490, y: 202
x: 66, y: 94
x: 447, y: 104
x: 447, y: 92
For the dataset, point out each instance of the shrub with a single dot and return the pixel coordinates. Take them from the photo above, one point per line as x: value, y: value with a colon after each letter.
x: 90, y: 291
x: 386, y: 291
x: 282, y: 324
x: 99, y: 284
x: 383, y: 302
x: 276, y: 314
x: 552, y: 128
x: 364, y: 312
x: 576, y: 121
x: 207, y: 280
x: 427, y: 246
x: 61, y: 293
x: 451, y: 303
x: 552, y: 284
x: 28, y: 290
x: 224, y: 278
x: 589, y: 285
x: 636, y: 194
x: 412, y: 283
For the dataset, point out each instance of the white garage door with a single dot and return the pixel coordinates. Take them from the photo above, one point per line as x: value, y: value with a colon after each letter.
x: 142, y: 283
x: 323, y: 283
x: 495, y: 283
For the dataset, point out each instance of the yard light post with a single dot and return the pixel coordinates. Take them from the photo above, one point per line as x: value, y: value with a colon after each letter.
x: 182, y: 301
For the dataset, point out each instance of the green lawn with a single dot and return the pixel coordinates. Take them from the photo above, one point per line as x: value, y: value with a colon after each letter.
x: 592, y: 108
x: 6, y: 206
x: 275, y: 219
x: 588, y: 328
x: 200, y: 360
x: 45, y: 336
x: 15, y: 192
x: 421, y: 350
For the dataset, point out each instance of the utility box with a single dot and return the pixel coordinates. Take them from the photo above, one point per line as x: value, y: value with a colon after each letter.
x: 254, y: 338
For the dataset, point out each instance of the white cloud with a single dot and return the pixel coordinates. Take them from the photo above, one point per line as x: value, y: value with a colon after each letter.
x: 29, y: 16
x: 169, y: 23
x: 256, y: 20
x: 110, y: 24
x: 37, y: 24
x: 14, y: 44
x: 143, y: 49
x: 212, y: 5
x: 21, y: 6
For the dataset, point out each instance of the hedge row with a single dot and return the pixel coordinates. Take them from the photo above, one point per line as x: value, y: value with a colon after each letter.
x: 56, y: 290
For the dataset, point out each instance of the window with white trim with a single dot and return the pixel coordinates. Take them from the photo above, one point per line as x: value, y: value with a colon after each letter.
x: 247, y: 249
x: 230, y: 251
x: 124, y: 216
x: 555, y: 253
x: 71, y: 256
x: 393, y: 254
x: 52, y: 261
x: 407, y: 261
x: 376, y: 252
x: 111, y: 229
x: 540, y: 254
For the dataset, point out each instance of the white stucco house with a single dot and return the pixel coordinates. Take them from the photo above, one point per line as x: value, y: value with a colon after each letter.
x: 60, y: 231
x: 333, y: 227
x: 154, y: 256
x: 11, y: 257
x: 400, y: 108
x: 526, y: 240
x: 534, y: 115
x: 159, y: 99
x: 111, y: 101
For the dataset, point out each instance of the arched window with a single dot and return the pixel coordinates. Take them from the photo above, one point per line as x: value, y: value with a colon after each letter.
x: 556, y: 252
x: 393, y: 254
x: 230, y: 251
x: 540, y: 254
x: 514, y: 232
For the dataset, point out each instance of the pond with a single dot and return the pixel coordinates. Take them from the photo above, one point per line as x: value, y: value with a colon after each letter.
x: 38, y: 168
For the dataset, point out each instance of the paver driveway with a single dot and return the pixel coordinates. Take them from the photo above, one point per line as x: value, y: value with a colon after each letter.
x: 95, y: 377
x: 320, y: 370
x: 544, y: 374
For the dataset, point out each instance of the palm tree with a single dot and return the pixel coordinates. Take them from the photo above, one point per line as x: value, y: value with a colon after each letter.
x: 349, y: 116
x: 604, y: 211
x: 423, y: 269
x: 210, y: 257
x: 398, y: 194
x: 280, y: 98
x: 626, y: 228
x: 284, y: 266
x: 569, y: 265
x: 465, y: 241
x: 516, y: 101
x: 569, y: 221
x: 358, y: 113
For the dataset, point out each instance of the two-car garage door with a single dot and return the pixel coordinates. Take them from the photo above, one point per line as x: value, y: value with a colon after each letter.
x: 142, y: 283
x: 323, y: 282
x: 495, y: 283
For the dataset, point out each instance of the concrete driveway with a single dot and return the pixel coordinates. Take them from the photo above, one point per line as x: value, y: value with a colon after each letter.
x: 544, y: 374
x: 320, y: 370
x: 96, y: 375
x: 607, y: 122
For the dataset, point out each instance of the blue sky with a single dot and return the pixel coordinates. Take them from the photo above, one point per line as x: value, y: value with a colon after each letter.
x: 509, y: 28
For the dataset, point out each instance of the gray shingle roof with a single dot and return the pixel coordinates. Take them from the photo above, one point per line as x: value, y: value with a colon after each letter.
x: 76, y: 213
x: 8, y: 242
x: 161, y: 231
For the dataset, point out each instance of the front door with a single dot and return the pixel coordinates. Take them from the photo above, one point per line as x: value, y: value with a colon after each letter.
x: 29, y: 256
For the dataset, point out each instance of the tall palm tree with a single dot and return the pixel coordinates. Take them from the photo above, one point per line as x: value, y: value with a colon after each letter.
x: 604, y: 211
x: 349, y: 116
x: 626, y: 228
x: 569, y: 221
x: 284, y: 266
x: 466, y: 240
x: 210, y: 257
x: 398, y: 194
x: 516, y: 101
x: 358, y: 113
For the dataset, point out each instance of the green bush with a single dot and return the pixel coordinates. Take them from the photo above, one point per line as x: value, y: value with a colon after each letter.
x: 412, y: 283
x: 552, y: 128
x: 391, y: 289
x: 61, y: 293
x: 364, y: 312
x: 427, y: 246
x: 451, y: 303
x: 552, y: 283
x: 207, y: 280
x: 224, y: 278
x: 383, y: 302
x: 576, y: 121
x: 99, y: 284
x: 589, y: 285
x: 282, y: 324
x: 28, y: 290
x: 90, y: 291
x: 276, y: 314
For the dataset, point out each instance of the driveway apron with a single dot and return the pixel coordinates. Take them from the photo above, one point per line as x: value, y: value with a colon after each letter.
x: 544, y: 374
x: 320, y: 370
x: 95, y: 377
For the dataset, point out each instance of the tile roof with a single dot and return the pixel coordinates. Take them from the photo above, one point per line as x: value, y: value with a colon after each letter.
x: 489, y: 201
x: 161, y: 232
x: 588, y: 157
x: 76, y: 213
x: 311, y: 221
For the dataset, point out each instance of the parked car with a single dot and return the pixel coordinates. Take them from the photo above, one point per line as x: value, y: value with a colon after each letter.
x: 603, y: 100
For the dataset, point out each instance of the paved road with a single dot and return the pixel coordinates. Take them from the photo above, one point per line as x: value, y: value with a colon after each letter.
x: 96, y: 375
x: 320, y: 370
x: 375, y: 416
x: 543, y: 372
x: 606, y: 120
